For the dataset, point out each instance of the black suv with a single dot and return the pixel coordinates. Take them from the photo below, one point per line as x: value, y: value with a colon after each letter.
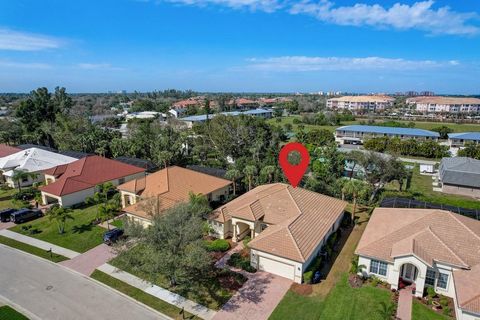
x: 5, y: 214
x: 110, y: 237
x: 25, y: 214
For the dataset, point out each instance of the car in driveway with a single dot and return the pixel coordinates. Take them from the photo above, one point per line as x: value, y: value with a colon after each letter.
x: 5, y: 214
x: 111, y: 236
x: 25, y: 214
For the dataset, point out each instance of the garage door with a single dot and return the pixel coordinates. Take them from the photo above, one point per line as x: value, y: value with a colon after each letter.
x: 275, y: 267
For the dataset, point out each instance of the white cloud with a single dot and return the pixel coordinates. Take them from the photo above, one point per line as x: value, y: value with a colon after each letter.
x: 304, y: 64
x: 23, y: 65
x: 97, y: 66
x: 21, y: 41
x: 420, y: 16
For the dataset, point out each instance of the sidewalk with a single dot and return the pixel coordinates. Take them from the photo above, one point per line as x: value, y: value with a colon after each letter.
x: 404, y: 310
x: 39, y: 244
x: 160, y: 293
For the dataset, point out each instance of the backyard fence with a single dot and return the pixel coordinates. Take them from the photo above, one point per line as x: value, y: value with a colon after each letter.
x: 411, y: 203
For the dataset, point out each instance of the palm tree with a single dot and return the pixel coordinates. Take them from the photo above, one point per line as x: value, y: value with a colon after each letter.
x: 249, y: 172
x: 268, y: 172
x: 20, y: 175
x: 385, y: 311
x: 60, y: 215
x: 199, y: 204
x: 106, y: 211
x: 233, y: 174
x: 355, y: 267
x: 353, y: 187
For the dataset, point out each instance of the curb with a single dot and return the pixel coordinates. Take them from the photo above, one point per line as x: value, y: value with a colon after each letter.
x: 19, y: 308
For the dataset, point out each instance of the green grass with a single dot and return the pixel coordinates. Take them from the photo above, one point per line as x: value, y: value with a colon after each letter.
x: 8, y: 313
x: 343, y: 302
x: 208, y: 292
x: 420, y: 125
x: 422, y: 312
x: 139, y: 295
x: 117, y: 223
x: 31, y: 249
x: 80, y: 235
x: 6, y: 199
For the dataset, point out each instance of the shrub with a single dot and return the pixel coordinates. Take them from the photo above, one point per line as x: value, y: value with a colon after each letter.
x: 246, y: 240
x: 26, y: 194
x: 444, y: 301
x: 374, y: 281
x: 296, y: 121
x: 446, y: 310
x: 431, y: 292
x: 218, y: 245
x: 238, y: 261
x: 307, y: 277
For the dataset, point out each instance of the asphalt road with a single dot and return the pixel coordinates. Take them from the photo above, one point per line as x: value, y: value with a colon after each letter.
x: 51, y: 292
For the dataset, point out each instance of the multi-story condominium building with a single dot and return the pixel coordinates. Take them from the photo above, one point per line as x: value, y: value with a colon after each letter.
x: 359, y: 133
x: 445, y: 104
x: 361, y: 104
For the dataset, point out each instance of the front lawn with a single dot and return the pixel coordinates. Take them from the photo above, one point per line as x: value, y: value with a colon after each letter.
x: 422, y: 312
x: 212, y: 292
x: 6, y: 200
x: 8, y: 313
x: 141, y: 296
x: 80, y: 234
x: 343, y: 302
x: 31, y: 249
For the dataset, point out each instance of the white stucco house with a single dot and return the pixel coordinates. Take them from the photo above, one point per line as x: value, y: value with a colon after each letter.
x: 72, y: 183
x: 289, y: 226
x: 33, y: 160
x: 425, y: 247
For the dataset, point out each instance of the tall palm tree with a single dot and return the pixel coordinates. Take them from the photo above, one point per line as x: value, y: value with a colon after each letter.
x: 199, y: 204
x: 233, y: 175
x: 106, y: 211
x: 353, y: 188
x: 60, y: 215
x: 20, y: 175
x: 250, y: 171
x: 268, y: 172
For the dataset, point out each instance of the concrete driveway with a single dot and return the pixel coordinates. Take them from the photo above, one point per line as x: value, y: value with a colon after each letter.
x: 6, y: 225
x: 50, y: 291
x: 87, y: 262
x: 257, y: 299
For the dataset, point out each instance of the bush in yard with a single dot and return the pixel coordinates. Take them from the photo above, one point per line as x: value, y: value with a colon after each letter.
x: 26, y: 194
x: 431, y: 292
x: 443, y: 301
x: 218, y: 245
x: 446, y: 310
x: 238, y: 261
x: 307, y: 277
x: 246, y: 240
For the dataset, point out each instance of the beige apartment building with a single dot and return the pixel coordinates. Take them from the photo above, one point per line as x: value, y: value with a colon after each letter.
x: 361, y: 104
x: 445, y: 104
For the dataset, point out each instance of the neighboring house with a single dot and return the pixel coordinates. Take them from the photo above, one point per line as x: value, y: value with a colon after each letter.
x: 439, y: 104
x: 72, y: 183
x: 458, y: 140
x: 425, y: 248
x: 259, y: 113
x: 360, y: 133
x: 460, y: 175
x: 164, y: 189
x: 289, y: 226
x: 33, y: 160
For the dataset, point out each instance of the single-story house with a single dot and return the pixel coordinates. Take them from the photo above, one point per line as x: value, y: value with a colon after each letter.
x: 33, y: 160
x: 425, y: 248
x: 458, y: 140
x: 72, y: 183
x: 460, y: 175
x: 165, y: 188
x: 357, y: 134
x: 288, y: 226
x: 6, y: 150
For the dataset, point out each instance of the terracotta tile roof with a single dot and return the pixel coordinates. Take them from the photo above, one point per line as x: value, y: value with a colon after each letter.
x: 444, y: 100
x: 443, y: 235
x: 86, y: 173
x: 6, y: 150
x: 299, y: 219
x: 433, y: 236
x: 170, y: 186
x: 364, y: 99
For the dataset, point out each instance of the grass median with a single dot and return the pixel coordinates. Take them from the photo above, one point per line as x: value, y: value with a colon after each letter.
x: 8, y: 313
x: 141, y: 296
x: 31, y: 249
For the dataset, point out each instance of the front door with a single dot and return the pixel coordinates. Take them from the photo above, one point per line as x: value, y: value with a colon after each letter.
x: 409, y: 272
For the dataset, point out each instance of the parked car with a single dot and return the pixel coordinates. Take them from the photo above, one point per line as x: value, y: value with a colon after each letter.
x: 110, y: 237
x: 25, y: 214
x: 5, y: 214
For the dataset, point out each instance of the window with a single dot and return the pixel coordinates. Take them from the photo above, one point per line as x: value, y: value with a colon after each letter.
x: 442, y: 280
x: 121, y: 181
x: 378, y: 267
x: 430, y: 278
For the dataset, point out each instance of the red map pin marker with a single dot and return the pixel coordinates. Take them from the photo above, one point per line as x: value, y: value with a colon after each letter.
x: 294, y: 173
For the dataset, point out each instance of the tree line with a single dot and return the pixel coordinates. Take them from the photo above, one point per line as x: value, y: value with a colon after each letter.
x: 410, y: 147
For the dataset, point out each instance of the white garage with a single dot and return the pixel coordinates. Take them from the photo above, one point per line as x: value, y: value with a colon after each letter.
x: 276, y: 267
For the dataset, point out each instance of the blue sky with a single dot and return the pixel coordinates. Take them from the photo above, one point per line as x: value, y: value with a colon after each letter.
x: 241, y: 45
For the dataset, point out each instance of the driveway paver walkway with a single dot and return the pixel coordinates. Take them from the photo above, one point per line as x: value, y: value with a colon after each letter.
x: 161, y: 293
x: 6, y: 225
x: 404, y: 310
x: 87, y: 262
x: 39, y: 244
x: 257, y: 298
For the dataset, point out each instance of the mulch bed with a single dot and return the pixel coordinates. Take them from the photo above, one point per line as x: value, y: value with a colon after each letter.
x: 231, y: 280
x: 355, y: 281
x: 302, y: 289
